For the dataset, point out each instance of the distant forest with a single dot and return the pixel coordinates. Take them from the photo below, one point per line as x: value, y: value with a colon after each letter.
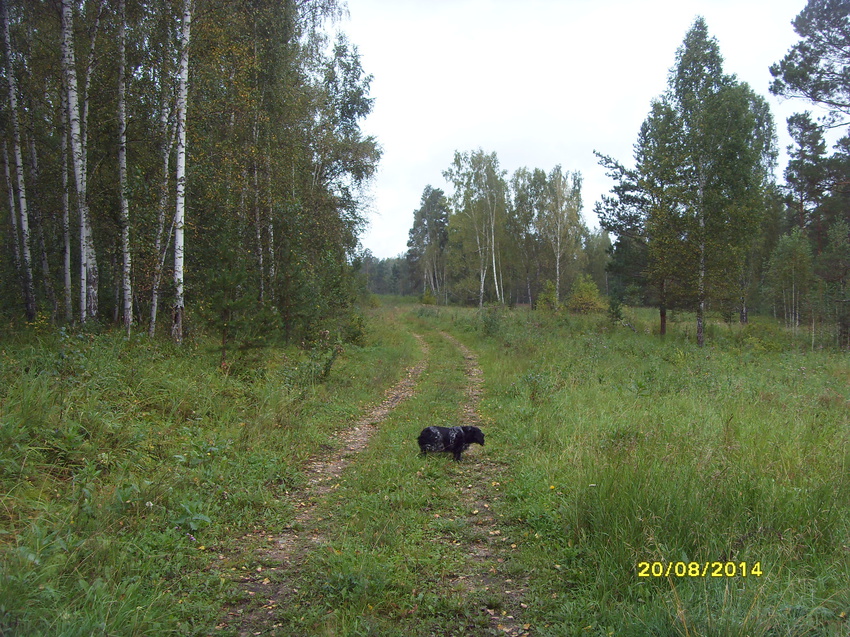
x: 696, y: 221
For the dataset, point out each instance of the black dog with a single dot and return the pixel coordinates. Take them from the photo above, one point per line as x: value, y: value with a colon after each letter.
x: 454, y: 439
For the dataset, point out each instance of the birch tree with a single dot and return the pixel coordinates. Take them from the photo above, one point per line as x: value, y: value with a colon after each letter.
x: 66, y: 208
x: 179, y: 216
x: 26, y: 257
x: 479, y: 196
x: 560, y: 222
x: 527, y: 194
x: 76, y: 116
x: 728, y: 151
x: 122, y: 167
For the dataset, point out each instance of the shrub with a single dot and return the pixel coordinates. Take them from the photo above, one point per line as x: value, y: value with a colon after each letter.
x: 548, y: 298
x: 585, y: 297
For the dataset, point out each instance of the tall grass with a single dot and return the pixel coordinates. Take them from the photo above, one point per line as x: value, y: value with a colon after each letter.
x: 129, y: 470
x: 134, y: 477
x: 627, y: 448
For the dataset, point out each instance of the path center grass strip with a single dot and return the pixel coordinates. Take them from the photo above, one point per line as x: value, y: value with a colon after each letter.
x: 401, y: 552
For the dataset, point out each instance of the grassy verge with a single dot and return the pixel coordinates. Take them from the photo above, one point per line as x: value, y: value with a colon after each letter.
x: 627, y: 449
x: 129, y: 467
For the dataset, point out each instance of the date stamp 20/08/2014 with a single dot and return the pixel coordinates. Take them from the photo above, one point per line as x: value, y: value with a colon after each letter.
x: 699, y: 569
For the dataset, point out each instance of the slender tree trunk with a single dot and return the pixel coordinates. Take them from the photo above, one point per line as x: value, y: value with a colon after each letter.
x: 93, y: 272
x: 169, y: 139
x: 26, y: 257
x: 269, y: 225
x: 662, y: 309
x: 258, y: 225
x: 702, y: 264
x: 493, y: 248
x: 126, y: 285
x: 701, y: 296
x: 13, y: 215
x: 180, y: 213
x: 482, y: 268
x: 558, y: 273
x: 66, y: 214
x: 88, y: 273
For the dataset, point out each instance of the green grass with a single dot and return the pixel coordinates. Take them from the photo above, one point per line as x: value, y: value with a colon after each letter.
x: 137, y: 478
x: 627, y: 448
x: 129, y: 467
x: 390, y: 566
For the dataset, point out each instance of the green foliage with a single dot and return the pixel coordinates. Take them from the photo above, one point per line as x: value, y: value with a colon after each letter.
x: 548, y: 298
x: 697, y: 195
x: 429, y: 237
x: 491, y: 320
x: 790, y: 275
x: 584, y: 296
x: 428, y: 298
x: 277, y: 162
x: 814, y: 68
x: 615, y: 309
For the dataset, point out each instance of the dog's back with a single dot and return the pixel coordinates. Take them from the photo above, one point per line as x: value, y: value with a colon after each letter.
x: 453, y: 439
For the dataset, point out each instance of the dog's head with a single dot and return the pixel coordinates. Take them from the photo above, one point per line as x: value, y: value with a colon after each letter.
x: 473, y: 434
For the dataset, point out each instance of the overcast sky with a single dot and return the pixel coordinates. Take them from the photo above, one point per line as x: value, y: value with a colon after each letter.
x: 540, y: 82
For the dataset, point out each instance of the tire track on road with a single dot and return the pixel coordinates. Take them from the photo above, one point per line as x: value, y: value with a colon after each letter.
x: 324, y: 473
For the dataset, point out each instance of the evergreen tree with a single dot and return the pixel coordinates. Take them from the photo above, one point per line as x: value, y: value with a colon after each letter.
x: 428, y: 239
x: 696, y: 197
x: 816, y: 67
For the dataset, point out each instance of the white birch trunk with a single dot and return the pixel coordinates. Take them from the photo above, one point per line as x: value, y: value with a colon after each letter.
x: 269, y: 226
x: 66, y: 215
x: 122, y: 169
x: 180, y: 216
x: 78, y: 163
x: 26, y: 258
x: 169, y: 138
x: 93, y: 273
x: 256, y: 203
x: 492, y: 206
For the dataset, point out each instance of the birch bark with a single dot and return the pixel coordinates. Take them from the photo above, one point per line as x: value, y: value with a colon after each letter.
x: 26, y: 258
x: 180, y: 213
x: 122, y: 168
x: 13, y: 213
x: 88, y: 263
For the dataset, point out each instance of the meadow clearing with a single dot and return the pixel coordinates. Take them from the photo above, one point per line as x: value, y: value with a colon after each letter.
x: 629, y: 485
